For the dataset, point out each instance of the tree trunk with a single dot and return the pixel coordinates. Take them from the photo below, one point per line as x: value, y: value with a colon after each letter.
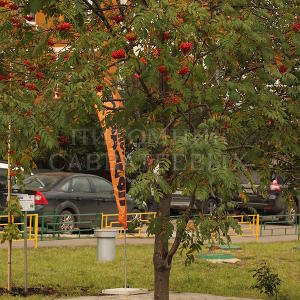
x: 161, y: 283
x: 162, y: 267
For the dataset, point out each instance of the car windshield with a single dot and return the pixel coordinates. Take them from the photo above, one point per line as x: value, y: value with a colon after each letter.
x: 41, y: 181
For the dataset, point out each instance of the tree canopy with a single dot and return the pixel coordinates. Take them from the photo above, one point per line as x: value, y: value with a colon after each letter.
x: 210, y: 91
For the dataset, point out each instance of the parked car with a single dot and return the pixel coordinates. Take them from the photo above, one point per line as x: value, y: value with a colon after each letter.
x: 69, y: 194
x: 273, y: 205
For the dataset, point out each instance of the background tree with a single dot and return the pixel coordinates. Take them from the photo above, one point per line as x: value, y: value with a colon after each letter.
x: 30, y: 120
x: 210, y: 91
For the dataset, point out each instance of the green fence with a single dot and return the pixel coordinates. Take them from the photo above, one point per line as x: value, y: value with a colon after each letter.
x: 56, y: 226
x: 280, y: 225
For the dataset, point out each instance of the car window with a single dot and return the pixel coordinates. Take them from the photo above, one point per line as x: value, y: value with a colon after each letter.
x: 102, y: 185
x: 3, y: 178
x: 3, y: 174
x: 66, y: 186
x: 81, y: 185
x: 41, y: 181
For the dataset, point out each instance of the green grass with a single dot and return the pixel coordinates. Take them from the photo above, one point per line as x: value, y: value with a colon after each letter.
x: 75, y: 271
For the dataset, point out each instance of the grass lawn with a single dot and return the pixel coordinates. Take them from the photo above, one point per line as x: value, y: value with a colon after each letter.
x: 75, y: 271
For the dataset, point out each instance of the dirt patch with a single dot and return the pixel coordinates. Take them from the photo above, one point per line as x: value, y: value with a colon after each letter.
x: 43, y: 291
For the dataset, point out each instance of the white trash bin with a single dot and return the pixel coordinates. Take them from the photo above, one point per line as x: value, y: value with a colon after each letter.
x: 106, y: 244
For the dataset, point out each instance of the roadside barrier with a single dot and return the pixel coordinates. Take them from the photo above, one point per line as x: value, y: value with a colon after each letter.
x: 140, y: 218
x: 280, y: 225
x: 249, y: 225
x: 56, y: 225
x: 74, y: 225
x: 32, y: 229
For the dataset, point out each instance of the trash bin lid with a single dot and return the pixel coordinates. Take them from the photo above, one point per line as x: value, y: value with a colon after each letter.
x: 105, y: 233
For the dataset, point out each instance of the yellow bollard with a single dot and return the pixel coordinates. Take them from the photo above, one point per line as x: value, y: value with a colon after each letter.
x: 36, y: 230
x: 257, y: 226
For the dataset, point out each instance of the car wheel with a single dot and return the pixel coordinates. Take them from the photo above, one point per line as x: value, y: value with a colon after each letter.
x: 291, y: 213
x: 211, y: 207
x: 66, y: 222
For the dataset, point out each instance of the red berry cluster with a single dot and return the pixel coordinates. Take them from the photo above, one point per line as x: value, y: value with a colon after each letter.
x: 37, y: 138
x: 166, y: 78
x: 30, y: 86
x: 118, y: 18
x: 118, y: 54
x: 13, y: 6
x: 64, y: 140
x: 13, y: 173
x: 29, y: 66
x: 29, y: 18
x: 99, y: 88
x: 3, y: 3
x: 143, y: 60
x: 39, y: 75
x: 180, y: 18
x: 3, y: 78
x: 296, y: 27
x: 50, y: 42
x: 156, y: 52
x: 184, y: 70
x: 185, y: 47
x: 15, y: 22
x: 64, y: 26
x: 174, y: 100
x: 131, y: 37
x: 162, y: 69
x: 282, y: 69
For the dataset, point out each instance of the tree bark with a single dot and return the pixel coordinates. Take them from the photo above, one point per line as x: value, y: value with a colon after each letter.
x: 162, y: 265
x: 161, y: 283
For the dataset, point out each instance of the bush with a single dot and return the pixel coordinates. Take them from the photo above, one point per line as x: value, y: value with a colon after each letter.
x: 267, y: 282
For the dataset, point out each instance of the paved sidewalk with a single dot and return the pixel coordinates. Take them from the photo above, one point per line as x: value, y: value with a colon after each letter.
x: 173, y: 296
x: 139, y: 241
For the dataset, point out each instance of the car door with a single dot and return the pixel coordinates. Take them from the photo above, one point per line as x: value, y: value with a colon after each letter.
x: 255, y: 199
x: 81, y: 194
x: 104, y: 195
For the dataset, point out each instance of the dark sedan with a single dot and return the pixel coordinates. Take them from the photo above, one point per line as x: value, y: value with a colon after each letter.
x: 69, y: 194
x: 274, y: 204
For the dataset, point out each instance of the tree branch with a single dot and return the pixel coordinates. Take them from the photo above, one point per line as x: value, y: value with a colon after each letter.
x: 240, y: 147
x: 98, y: 11
x: 179, y: 232
x: 186, y: 119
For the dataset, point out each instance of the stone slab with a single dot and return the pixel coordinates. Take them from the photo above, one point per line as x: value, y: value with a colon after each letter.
x: 124, y: 291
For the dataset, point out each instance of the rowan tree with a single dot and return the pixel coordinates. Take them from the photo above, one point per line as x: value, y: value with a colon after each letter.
x: 31, y: 120
x: 210, y: 90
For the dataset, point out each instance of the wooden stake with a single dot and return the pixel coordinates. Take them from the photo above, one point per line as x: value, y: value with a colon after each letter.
x: 9, y: 285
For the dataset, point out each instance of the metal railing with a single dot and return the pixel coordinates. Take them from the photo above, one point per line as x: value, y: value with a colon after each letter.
x: 51, y: 225
x: 142, y: 218
x: 249, y: 225
x: 32, y: 229
x: 280, y: 225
